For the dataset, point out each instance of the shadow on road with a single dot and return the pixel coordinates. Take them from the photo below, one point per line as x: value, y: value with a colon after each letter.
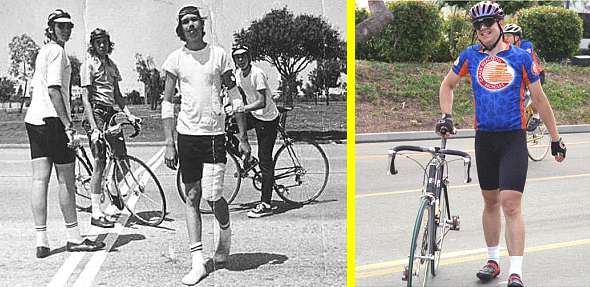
x: 246, y: 261
x: 124, y: 239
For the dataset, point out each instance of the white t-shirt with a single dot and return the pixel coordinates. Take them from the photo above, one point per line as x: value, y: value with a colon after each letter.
x: 199, y: 74
x: 52, y: 68
x: 251, y: 84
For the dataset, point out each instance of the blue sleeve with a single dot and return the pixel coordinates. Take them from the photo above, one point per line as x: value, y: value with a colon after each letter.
x: 460, y: 64
x: 527, y: 46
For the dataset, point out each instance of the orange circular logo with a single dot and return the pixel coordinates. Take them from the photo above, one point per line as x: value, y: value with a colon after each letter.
x: 494, y: 73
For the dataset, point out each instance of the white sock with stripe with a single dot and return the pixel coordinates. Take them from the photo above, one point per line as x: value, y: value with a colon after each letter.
x: 73, y: 232
x: 41, y: 235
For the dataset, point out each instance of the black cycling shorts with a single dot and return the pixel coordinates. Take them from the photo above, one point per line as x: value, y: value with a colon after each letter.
x: 193, y: 151
x: 502, y: 160
x: 50, y: 140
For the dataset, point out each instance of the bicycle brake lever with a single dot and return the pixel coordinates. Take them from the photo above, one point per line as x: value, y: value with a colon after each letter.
x: 391, y: 170
x: 467, y: 163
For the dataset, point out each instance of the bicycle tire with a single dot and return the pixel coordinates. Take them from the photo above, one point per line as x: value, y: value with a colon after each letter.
x: 232, y: 181
x: 83, y: 176
x: 538, y: 143
x: 440, y: 229
x: 420, y: 238
x: 294, y: 182
x: 137, y: 199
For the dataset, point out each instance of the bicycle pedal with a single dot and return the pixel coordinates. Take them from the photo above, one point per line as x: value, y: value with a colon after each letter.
x: 405, y: 274
x: 455, y: 223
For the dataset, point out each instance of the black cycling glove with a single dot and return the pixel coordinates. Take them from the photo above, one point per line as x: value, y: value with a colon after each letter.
x: 445, y: 125
x: 558, y: 147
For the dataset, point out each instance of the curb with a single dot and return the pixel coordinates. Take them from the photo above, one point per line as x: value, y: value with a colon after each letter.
x: 430, y: 135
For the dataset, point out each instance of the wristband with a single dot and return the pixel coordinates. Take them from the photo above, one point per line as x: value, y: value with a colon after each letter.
x: 167, y: 110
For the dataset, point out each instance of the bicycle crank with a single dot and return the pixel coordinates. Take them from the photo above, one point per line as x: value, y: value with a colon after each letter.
x: 454, y: 223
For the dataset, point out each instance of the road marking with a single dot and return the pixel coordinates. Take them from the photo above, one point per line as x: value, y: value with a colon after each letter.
x: 384, y: 156
x: 61, y: 278
x: 538, y: 179
x: 395, y: 266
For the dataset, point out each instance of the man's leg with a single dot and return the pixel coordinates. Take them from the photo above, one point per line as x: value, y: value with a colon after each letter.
x: 41, y: 173
x: 194, y: 227
x: 511, y: 205
x: 212, y: 183
x: 492, y: 226
x: 266, y: 134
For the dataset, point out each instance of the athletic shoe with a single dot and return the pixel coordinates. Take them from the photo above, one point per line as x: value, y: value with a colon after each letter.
x: 102, y: 222
x: 223, y: 246
x: 262, y: 209
x: 86, y: 245
x: 42, y: 251
x: 195, y: 275
x: 489, y: 271
x: 533, y: 124
x: 515, y: 281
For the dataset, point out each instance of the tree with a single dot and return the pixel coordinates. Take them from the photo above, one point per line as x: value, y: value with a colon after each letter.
x: 144, y: 69
x: 7, y: 88
x: 374, y: 24
x: 290, y: 44
x: 75, y: 62
x: 23, y: 52
x: 326, y: 76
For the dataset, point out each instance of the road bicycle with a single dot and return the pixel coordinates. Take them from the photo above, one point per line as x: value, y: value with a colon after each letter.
x: 538, y: 140
x: 301, y: 168
x: 434, y: 219
x: 127, y: 181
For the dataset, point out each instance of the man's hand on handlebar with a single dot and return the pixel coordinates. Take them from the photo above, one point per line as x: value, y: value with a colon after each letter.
x: 444, y: 127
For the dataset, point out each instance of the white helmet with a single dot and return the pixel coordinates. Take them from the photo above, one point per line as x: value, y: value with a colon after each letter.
x: 512, y: 29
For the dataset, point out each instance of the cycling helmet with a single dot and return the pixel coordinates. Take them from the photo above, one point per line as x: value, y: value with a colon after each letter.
x: 238, y: 50
x: 59, y: 16
x: 99, y: 33
x: 486, y: 9
x: 512, y: 29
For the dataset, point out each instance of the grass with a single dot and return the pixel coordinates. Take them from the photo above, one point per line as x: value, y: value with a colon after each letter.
x: 304, y: 117
x: 404, y: 96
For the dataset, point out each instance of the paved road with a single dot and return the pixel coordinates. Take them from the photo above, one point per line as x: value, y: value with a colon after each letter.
x: 303, y: 246
x: 555, y: 211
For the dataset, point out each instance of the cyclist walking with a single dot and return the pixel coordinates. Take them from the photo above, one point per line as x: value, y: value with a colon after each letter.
x: 201, y: 69
x: 49, y: 127
x: 499, y: 74
x: 262, y: 115
x: 100, y: 76
x: 513, y: 35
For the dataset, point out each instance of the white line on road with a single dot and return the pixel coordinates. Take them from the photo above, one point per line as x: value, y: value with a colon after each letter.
x: 62, y: 276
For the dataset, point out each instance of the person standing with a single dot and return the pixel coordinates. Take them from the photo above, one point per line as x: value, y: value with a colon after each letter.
x: 49, y: 128
x: 499, y: 74
x: 201, y: 70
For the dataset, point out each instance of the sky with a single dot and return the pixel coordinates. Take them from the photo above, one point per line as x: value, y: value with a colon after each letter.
x: 147, y: 26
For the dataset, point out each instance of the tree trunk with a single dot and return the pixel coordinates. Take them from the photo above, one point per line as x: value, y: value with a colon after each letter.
x: 371, y: 26
x: 290, y: 89
x: 327, y: 96
x: 22, y: 102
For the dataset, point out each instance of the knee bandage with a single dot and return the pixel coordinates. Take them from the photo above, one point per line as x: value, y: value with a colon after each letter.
x: 212, y: 181
x: 167, y: 110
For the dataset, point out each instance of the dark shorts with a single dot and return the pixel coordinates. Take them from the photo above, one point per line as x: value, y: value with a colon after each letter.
x: 194, y: 151
x: 50, y: 140
x: 102, y: 114
x: 502, y: 160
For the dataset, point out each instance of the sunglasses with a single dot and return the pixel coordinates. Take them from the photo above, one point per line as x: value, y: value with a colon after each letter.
x: 488, y: 22
x: 64, y: 25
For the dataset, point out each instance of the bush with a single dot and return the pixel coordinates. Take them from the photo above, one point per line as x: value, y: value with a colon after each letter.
x: 441, y: 51
x: 457, y: 28
x: 411, y: 37
x: 555, y: 32
x: 365, y: 50
x: 134, y: 98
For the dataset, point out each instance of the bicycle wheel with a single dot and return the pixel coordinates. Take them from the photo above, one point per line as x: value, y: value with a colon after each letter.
x: 301, y: 171
x: 441, y: 228
x: 141, y: 191
x: 83, y: 175
x: 538, y: 142
x: 420, y: 247
x: 231, y: 183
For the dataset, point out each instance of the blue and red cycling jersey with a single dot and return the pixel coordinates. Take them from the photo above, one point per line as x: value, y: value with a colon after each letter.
x: 528, y: 46
x: 498, y: 84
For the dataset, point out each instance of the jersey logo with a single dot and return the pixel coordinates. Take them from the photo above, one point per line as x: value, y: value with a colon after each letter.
x: 494, y: 74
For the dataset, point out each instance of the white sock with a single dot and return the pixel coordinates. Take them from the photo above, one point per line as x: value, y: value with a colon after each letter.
x: 41, y: 234
x: 536, y: 116
x: 73, y: 232
x: 494, y: 253
x: 96, y: 211
x: 515, y: 265
x: 197, y: 254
